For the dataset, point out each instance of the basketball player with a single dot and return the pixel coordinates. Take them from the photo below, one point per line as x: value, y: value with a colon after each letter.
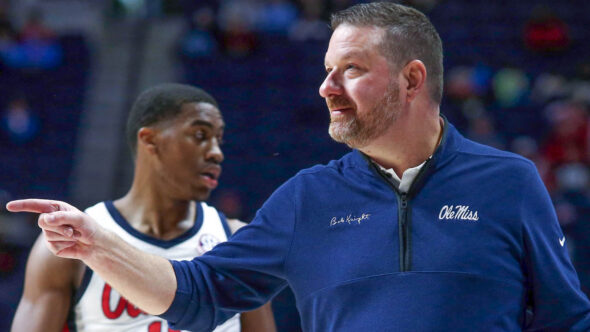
x: 174, y: 132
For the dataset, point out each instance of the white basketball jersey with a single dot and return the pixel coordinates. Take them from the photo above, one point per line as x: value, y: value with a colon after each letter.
x: 98, y: 307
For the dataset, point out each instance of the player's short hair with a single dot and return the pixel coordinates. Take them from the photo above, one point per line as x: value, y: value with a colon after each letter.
x: 159, y: 103
x: 409, y: 35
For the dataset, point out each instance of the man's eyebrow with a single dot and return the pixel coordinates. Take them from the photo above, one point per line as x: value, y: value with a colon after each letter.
x: 206, y: 124
x: 349, y: 55
x: 354, y: 54
x: 201, y: 123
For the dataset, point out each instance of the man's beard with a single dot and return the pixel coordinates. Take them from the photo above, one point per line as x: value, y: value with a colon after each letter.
x: 357, y: 131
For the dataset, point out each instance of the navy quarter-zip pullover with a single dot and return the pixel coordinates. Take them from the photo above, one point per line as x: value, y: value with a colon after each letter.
x: 472, y: 244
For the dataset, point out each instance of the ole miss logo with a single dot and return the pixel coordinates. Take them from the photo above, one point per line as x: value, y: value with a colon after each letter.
x: 123, y: 306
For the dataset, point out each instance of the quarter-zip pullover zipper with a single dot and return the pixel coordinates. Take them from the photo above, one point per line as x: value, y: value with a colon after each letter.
x: 404, y: 232
x: 404, y: 204
x: 404, y: 214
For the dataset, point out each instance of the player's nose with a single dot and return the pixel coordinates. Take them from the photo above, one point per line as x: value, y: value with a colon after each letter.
x: 215, y: 152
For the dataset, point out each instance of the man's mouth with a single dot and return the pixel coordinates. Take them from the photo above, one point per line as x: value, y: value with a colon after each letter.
x: 338, y: 105
x: 211, y: 176
x: 340, y: 113
x: 340, y: 110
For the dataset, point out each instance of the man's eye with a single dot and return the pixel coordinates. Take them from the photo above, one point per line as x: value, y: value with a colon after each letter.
x: 351, y: 67
x: 200, y: 135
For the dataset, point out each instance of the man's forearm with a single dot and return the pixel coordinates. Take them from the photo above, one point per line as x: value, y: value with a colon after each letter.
x: 146, y: 280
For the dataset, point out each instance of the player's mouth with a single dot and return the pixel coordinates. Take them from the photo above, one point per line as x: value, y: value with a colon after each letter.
x: 210, y: 176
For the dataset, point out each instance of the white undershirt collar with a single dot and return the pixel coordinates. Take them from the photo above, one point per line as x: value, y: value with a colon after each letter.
x: 408, y: 176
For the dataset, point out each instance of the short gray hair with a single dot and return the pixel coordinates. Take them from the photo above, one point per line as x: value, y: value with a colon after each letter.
x: 409, y: 35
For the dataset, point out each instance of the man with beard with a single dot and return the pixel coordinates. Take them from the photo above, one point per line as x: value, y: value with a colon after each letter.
x: 174, y: 132
x: 416, y: 229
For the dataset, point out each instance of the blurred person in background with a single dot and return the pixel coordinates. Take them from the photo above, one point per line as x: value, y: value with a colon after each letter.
x: 237, y: 19
x: 174, y: 132
x: 19, y: 122
x: 545, y: 32
x: 568, y: 140
x: 275, y: 17
x: 7, y: 32
x: 37, y: 46
x: 8, y: 35
x: 35, y: 29
x: 482, y: 130
x: 310, y: 26
x: 202, y: 38
x: 527, y: 147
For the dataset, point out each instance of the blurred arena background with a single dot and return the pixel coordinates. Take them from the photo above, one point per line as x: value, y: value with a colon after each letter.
x: 517, y: 78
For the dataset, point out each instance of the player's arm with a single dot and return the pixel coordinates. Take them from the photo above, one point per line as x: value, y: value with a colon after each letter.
x: 261, y: 319
x: 49, y: 284
x: 147, y: 281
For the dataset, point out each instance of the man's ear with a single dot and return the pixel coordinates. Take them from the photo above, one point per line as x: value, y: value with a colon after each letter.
x: 147, y: 140
x: 414, y: 73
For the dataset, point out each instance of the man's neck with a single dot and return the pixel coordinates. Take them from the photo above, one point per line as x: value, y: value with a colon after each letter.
x: 150, y: 213
x: 407, y: 144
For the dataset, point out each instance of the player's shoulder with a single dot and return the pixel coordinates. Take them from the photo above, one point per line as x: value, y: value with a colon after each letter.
x: 235, y: 224
x: 106, y: 215
x: 97, y: 209
x: 210, y: 213
x: 207, y: 210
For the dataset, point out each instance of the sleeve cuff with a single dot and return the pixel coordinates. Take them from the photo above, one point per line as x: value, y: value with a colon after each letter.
x: 182, y: 300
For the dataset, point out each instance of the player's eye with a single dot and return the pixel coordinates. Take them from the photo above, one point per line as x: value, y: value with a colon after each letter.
x: 200, y: 135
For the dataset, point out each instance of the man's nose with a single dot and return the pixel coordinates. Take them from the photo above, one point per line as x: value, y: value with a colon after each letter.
x: 215, y: 152
x: 331, y: 85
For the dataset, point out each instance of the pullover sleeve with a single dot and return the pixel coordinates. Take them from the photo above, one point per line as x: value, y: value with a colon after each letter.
x: 238, y: 275
x: 557, y: 301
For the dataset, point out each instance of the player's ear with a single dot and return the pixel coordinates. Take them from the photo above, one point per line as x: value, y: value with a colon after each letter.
x: 147, y: 139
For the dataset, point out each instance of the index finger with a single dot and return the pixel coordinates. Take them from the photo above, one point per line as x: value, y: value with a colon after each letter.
x: 37, y: 206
